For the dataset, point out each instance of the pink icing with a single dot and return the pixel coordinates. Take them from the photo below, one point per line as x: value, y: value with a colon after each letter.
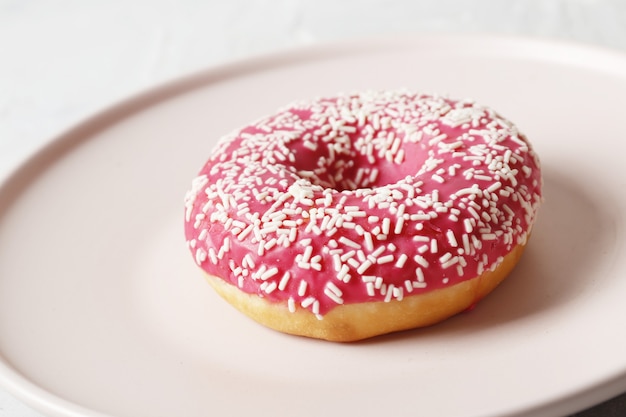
x: 364, y: 197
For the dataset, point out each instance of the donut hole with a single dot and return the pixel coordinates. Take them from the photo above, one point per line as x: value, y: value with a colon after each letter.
x: 349, y: 167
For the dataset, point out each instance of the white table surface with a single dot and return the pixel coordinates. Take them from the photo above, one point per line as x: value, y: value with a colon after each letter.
x: 63, y: 60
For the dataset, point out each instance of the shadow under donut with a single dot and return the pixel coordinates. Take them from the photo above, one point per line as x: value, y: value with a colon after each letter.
x: 570, y: 244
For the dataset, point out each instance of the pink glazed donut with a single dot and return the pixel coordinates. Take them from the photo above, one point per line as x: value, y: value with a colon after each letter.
x: 352, y: 216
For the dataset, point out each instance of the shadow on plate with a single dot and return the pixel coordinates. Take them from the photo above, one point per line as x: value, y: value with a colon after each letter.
x: 571, y: 242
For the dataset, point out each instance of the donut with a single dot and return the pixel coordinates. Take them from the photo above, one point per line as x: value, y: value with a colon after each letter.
x: 348, y: 217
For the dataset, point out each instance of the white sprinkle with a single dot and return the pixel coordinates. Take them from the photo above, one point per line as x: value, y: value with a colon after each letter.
x: 304, y: 265
x: 330, y: 294
x: 269, y: 273
x: 343, y: 275
x: 368, y: 278
x: 378, y: 283
x: 333, y: 292
x: 473, y: 190
x: 241, y: 236
x: 364, y: 266
x: 307, y: 302
x: 421, y: 260
x: 337, y: 262
x: 445, y: 257
x: 259, y: 272
x: 399, y: 226
x: 450, y: 262
x: 493, y: 187
x: 438, y: 178
x: 476, y: 242
x: 401, y: 260
x: 378, y: 251
x: 420, y: 216
x: 389, y: 293
x: 419, y: 274
x: 386, y: 225
x: 399, y: 157
x: 347, y: 255
x: 201, y: 256
x: 451, y: 238
x: 349, y: 242
x: 466, y: 244
x: 467, y: 223
x: 213, y: 256
x: 302, y: 288
x: 348, y: 225
x: 269, y: 287
x: 433, y: 245
x: 508, y: 210
x: 437, y: 139
x: 385, y: 259
x: 248, y: 262
x: 271, y: 243
x: 306, y: 256
x: 473, y: 212
x: 283, y: 281
x: 369, y: 242
x: 398, y: 293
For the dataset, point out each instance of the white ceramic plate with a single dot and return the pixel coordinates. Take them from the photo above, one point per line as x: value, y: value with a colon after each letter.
x: 103, y: 312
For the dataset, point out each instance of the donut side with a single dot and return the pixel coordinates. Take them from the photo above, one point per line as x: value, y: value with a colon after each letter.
x: 353, y: 322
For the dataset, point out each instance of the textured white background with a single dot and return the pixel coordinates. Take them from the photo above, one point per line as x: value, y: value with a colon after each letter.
x: 62, y: 60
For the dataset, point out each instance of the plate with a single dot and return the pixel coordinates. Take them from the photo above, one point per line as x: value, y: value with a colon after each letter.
x: 103, y: 312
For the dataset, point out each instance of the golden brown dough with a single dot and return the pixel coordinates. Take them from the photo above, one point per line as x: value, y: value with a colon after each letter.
x: 352, y: 322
